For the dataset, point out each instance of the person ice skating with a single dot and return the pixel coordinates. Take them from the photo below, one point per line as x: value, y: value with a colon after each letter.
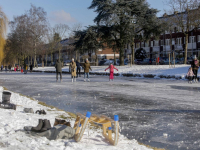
x: 31, y: 68
x: 111, y: 67
x: 1, y: 67
x: 72, y: 66
x: 190, y: 75
x: 78, y: 69
x: 58, y: 67
x: 9, y: 68
x: 195, y: 67
x: 86, y: 67
x: 17, y: 67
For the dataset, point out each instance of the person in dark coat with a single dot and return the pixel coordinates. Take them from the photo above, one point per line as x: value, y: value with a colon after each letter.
x: 9, y: 68
x: 1, y: 67
x: 58, y: 67
x: 31, y: 67
x: 195, y: 67
x: 78, y: 65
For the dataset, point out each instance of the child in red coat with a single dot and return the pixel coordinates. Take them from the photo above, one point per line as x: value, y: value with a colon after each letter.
x: 111, y: 67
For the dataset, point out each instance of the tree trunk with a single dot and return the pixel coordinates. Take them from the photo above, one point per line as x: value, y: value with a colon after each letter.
x: 28, y: 62
x: 76, y: 55
x: 51, y: 58
x: 133, y: 52
x: 186, y: 46
x: 35, y: 61
x: 46, y: 59
x: 59, y: 55
x: 96, y: 58
x: 121, y: 56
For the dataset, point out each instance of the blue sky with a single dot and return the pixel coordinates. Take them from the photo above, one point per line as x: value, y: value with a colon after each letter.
x: 62, y: 11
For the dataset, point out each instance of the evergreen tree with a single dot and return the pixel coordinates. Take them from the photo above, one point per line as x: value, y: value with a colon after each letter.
x: 128, y: 19
x: 88, y: 41
x: 140, y: 54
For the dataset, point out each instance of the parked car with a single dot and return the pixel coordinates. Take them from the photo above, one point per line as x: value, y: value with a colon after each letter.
x: 108, y: 62
x: 137, y: 61
x: 67, y: 62
x: 189, y: 60
x: 118, y: 62
x: 102, y: 62
x: 39, y: 65
x: 145, y: 61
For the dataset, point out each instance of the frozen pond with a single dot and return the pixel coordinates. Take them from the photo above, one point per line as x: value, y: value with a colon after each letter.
x: 159, y: 113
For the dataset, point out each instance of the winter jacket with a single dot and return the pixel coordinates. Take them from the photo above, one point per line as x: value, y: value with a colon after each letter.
x: 72, y: 66
x: 195, y: 64
x: 190, y: 73
x: 87, y: 67
x: 31, y: 67
x: 58, y: 66
x: 78, y: 64
x: 111, y: 67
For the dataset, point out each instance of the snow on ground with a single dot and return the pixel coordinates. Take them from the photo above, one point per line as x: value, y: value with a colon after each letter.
x: 179, y: 70
x: 13, y: 136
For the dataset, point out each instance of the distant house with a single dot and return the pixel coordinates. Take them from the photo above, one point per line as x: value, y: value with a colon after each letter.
x: 162, y: 48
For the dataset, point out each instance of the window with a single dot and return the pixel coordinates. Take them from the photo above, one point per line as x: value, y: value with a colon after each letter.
x: 179, y: 41
x: 173, y: 41
x: 162, y: 42
x: 146, y: 44
x: 137, y: 45
x: 142, y: 44
x: 167, y: 42
x: 179, y: 29
x: 192, y: 39
x: 156, y: 43
x: 151, y: 43
x: 198, y: 38
x: 191, y: 27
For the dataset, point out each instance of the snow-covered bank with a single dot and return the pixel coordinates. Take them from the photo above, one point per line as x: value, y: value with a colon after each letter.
x: 12, y: 135
x: 157, y: 71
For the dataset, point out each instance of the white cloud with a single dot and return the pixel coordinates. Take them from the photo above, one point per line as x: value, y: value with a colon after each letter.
x: 61, y: 17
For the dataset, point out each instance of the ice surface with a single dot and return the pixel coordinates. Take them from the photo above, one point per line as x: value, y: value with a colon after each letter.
x: 148, y: 109
x: 13, y: 137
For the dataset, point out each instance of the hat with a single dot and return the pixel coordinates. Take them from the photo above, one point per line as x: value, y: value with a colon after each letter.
x: 72, y: 59
x: 86, y: 59
x: 195, y: 57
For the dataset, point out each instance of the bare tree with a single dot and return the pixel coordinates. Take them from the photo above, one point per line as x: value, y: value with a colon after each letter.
x: 60, y: 32
x: 74, y: 29
x: 38, y: 27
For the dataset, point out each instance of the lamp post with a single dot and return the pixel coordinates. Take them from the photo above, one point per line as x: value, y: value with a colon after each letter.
x: 192, y: 42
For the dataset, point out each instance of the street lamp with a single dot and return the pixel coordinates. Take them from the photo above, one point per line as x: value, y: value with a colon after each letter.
x: 192, y: 42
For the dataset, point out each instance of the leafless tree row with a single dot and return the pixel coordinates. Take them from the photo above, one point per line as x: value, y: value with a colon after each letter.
x: 31, y: 36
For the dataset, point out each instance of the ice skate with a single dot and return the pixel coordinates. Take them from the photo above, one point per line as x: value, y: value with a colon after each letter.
x: 88, y: 80
x: 72, y: 80
x: 84, y: 80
